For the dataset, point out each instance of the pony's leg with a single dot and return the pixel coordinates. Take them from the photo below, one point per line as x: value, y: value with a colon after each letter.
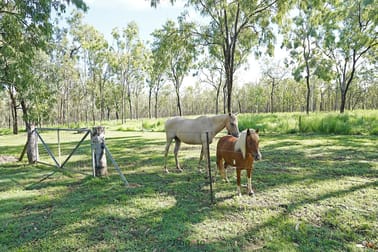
x: 220, y: 167
x: 177, y: 148
x: 216, y: 171
x: 238, y: 171
x: 167, y: 145
x: 249, y: 185
x: 225, y: 172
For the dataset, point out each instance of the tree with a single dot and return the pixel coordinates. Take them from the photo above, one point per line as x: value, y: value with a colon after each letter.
x: 179, y: 50
x: 157, y: 66
x: 211, y: 73
x: 94, y: 49
x: 348, y: 34
x: 275, y: 73
x: 128, y: 64
x: 25, y: 30
x: 237, y: 27
x: 300, y: 39
x: 154, y: 3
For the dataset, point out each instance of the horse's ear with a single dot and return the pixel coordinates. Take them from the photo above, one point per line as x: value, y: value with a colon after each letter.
x: 248, y: 132
x: 257, y: 130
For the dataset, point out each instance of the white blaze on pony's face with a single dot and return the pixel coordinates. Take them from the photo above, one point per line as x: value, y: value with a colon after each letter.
x: 232, y: 125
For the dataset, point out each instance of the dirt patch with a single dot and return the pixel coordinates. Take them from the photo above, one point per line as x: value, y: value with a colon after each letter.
x: 7, y: 159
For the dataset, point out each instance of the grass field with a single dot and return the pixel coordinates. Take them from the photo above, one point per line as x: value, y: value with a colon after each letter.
x: 312, y: 193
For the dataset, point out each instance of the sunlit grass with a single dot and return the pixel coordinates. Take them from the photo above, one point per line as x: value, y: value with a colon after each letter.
x: 313, y: 193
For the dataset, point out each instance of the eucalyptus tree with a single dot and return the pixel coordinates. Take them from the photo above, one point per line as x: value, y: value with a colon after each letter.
x: 300, y: 38
x: 129, y: 54
x: 66, y: 77
x: 274, y: 72
x: 180, y: 50
x: 347, y: 35
x: 212, y: 73
x: 238, y: 27
x: 25, y: 28
x: 157, y: 64
x: 94, y: 51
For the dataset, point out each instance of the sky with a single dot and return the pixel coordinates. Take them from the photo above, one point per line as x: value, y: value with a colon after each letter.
x: 105, y: 15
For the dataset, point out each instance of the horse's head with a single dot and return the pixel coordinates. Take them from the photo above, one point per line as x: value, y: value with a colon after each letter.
x: 252, y: 143
x: 232, y: 125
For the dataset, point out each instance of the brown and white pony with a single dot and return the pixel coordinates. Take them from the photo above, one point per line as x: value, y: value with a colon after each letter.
x: 239, y: 152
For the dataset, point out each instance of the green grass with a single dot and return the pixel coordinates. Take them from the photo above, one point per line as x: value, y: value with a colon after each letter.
x: 360, y: 122
x: 313, y: 193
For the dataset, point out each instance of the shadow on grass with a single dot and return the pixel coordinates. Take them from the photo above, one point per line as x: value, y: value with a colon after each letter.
x: 71, y: 213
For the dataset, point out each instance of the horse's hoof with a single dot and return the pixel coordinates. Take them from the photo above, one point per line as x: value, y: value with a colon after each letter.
x: 251, y: 193
x: 166, y: 171
x: 179, y: 170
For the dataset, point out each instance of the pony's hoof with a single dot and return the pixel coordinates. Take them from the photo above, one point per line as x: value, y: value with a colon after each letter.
x: 166, y: 171
x: 179, y: 170
x: 251, y: 193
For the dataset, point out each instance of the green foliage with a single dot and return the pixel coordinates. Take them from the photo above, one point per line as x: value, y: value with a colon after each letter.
x: 4, y: 131
x: 351, y: 123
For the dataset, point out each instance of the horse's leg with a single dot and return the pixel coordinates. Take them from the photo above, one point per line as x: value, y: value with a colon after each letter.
x: 238, y: 171
x: 249, y: 185
x: 177, y: 148
x: 200, y: 160
x: 167, y: 145
x: 204, y: 153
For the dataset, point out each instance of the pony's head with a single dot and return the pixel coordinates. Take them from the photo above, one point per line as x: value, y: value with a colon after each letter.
x: 232, y: 125
x: 248, y: 142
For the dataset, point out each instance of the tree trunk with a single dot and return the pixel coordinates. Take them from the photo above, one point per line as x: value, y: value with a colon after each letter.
x: 177, y: 88
x: 308, y: 94
x: 178, y: 102
x: 224, y: 98
x: 272, y: 97
x: 343, y: 101
x: 149, y: 102
x: 217, y: 101
x: 14, y: 112
x: 156, y: 103
x: 32, y: 146
x: 98, y: 142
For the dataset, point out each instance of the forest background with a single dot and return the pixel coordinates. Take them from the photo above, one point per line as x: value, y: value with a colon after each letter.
x: 57, y: 69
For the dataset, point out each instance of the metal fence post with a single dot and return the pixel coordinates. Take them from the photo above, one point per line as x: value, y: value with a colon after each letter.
x: 209, y: 167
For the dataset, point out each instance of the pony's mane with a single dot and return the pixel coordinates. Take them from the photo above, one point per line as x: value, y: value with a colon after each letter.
x: 242, y: 142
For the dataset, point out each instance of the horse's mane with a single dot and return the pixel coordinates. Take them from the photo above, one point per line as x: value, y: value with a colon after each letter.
x: 241, y: 143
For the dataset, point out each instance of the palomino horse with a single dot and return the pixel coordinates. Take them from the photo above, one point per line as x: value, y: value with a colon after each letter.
x: 239, y: 152
x: 193, y: 131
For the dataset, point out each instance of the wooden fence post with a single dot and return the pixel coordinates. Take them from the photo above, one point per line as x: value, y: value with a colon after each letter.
x: 98, y: 143
x: 32, y: 145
